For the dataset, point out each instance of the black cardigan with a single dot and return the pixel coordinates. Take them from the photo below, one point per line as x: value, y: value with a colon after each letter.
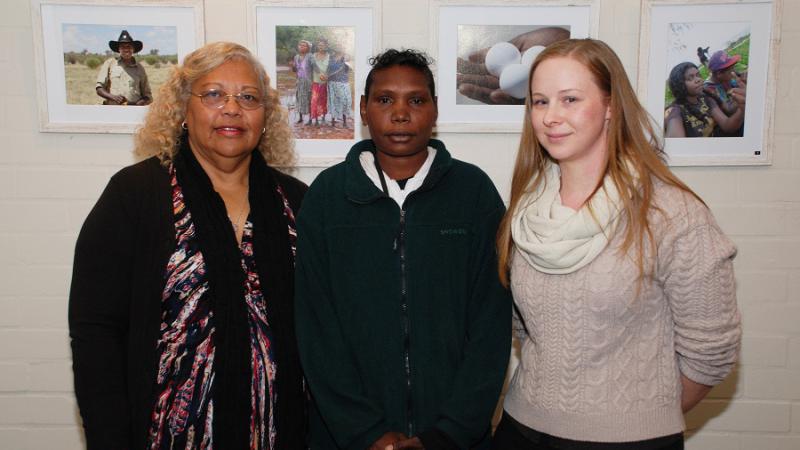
x: 115, y: 310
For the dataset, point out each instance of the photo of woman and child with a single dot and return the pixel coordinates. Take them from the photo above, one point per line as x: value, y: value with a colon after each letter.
x: 315, y: 80
x: 706, y: 98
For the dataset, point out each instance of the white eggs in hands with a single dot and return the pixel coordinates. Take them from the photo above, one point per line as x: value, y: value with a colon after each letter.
x: 514, y: 80
x: 531, y: 54
x: 501, y: 55
x: 504, y: 61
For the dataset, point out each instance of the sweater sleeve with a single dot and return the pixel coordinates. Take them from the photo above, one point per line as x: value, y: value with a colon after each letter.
x: 697, y: 268
x: 354, y: 421
x: 466, y: 415
x: 98, y: 326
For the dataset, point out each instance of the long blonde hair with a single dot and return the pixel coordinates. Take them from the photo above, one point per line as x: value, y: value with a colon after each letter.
x: 634, y: 154
x: 162, y: 125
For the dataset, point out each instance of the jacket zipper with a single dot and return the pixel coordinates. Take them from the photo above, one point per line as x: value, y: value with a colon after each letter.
x: 405, y: 320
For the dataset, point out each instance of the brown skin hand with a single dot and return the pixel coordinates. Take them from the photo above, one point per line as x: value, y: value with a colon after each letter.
x: 111, y: 98
x: 409, y: 444
x: 387, y: 440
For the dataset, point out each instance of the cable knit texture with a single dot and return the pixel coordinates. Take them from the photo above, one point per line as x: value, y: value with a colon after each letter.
x: 599, y: 363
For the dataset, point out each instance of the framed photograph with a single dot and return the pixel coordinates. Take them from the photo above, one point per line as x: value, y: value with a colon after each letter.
x: 707, y: 75
x: 99, y: 63
x: 316, y: 54
x: 484, y: 52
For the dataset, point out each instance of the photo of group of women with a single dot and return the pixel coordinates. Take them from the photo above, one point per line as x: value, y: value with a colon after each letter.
x: 706, y: 79
x: 315, y: 79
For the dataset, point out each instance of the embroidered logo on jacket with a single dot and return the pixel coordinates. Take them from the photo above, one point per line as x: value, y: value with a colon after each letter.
x: 453, y: 231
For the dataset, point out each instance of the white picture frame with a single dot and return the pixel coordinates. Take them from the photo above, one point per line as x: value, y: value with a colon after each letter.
x: 50, y: 20
x: 672, y: 29
x: 362, y: 17
x: 457, y: 113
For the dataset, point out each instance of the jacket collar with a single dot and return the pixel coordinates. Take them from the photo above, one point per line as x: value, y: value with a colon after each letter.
x: 360, y: 189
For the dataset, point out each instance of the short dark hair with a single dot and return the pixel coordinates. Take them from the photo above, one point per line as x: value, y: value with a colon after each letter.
x: 407, y: 57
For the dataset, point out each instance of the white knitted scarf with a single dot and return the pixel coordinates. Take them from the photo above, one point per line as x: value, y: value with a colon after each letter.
x: 556, y: 239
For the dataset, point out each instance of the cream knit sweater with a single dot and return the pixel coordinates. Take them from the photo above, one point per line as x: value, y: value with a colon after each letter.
x: 599, y: 363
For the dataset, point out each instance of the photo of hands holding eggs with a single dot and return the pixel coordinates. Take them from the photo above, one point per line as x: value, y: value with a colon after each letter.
x: 493, y: 61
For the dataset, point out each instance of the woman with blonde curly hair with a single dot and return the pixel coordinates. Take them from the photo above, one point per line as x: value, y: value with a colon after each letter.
x: 622, y: 280
x: 181, y: 301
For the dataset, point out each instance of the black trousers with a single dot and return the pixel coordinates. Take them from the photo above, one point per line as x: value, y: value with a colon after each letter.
x: 512, y: 435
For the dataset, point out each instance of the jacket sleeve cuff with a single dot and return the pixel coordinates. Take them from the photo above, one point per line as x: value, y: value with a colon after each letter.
x: 436, y: 439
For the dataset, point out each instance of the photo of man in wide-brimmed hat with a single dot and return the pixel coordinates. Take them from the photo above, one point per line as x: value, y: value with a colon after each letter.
x: 123, y: 81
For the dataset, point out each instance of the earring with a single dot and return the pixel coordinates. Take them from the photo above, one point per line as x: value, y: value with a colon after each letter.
x: 183, y: 125
x: 264, y: 130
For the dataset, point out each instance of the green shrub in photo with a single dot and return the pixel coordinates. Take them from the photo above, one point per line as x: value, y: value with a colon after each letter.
x: 151, y: 59
x: 93, y: 63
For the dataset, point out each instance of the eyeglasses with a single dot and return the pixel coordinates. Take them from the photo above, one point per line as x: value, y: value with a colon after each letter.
x: 218, y: 99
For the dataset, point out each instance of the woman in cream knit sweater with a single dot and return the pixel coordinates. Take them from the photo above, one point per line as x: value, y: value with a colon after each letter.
x: 623, y: 282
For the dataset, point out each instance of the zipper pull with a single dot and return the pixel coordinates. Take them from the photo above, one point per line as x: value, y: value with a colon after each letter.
x: 400, y: 230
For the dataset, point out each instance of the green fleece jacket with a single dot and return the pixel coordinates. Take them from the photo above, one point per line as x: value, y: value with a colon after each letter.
x: 402, y: 323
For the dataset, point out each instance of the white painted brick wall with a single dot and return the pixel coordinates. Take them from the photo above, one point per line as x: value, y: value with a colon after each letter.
x: 763, y: 351
x: 760, y: 286
x: 741, y: 415
x: 49, y: 182
x: 34, y: 437
x: 793, y: 291
x: 39, y: 409
x: 771, y: 318
x: 27, y: 344
x: 772, y: 383
x: 51, y: 376
x: 14, y: 377
x: 34, y: 312
x: 770, y: 442
x: 713, y: 441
